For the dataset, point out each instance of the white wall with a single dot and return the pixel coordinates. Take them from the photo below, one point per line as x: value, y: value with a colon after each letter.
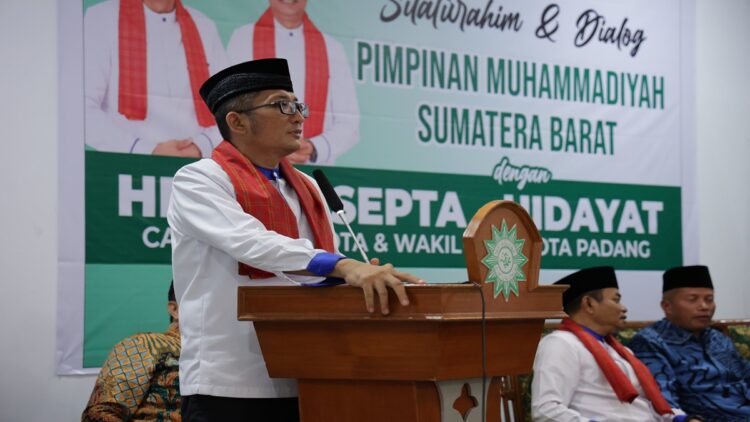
x: 29, y: 390
x: 723, y: 110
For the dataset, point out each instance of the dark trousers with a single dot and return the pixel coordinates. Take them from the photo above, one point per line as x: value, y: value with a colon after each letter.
x: 200, y: 408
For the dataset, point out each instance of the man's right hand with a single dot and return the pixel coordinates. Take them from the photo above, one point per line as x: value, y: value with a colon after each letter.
x: 178, y: 148
x: 375, y: 279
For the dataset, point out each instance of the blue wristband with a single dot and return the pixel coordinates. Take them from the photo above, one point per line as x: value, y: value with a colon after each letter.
x: 323, y: 263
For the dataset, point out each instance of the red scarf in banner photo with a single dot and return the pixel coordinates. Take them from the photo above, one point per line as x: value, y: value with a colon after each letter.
x: 260, y: 198
x: 133, y: 90
x: 316, y: 66
x: 619, y: 381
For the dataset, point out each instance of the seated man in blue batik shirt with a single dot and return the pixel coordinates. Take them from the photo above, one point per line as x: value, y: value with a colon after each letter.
x: 698, y: 368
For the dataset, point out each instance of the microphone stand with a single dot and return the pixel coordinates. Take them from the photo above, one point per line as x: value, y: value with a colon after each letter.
x: 342, y: 216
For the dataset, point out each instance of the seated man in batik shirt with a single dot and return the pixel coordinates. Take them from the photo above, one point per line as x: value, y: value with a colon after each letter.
x: 698, y: 368
x: 139, y: 381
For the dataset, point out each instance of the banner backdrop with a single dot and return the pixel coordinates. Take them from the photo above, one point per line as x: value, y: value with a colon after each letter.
x: 427, y: 109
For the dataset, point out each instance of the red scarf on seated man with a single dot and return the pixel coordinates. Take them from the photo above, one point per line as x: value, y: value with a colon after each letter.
x: 619, y: 381
x: 260, y: 198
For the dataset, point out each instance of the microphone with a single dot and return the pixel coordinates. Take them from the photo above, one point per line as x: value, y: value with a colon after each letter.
x: 334, y: 202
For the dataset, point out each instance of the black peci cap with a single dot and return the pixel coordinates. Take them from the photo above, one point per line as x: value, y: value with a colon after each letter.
x: 255, y: 75
x: 587, y: 280
x: 689, y: 276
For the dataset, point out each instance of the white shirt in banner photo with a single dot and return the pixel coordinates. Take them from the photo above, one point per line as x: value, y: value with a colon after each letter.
x: 327, y: 86
x: 143, y: 69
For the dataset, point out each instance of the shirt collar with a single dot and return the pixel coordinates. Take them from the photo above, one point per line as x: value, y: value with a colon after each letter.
x: 152, y: 16
x: 592, y: 332
x: 281, y: 29
x: 173, y: 329
x: 270, y: 174
x: 674, y: 334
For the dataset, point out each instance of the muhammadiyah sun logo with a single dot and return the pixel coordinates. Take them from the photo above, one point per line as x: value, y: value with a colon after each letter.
x: 504, y: 260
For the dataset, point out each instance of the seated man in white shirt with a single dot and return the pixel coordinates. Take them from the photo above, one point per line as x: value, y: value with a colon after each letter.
x: 582, y: 373
x: 247, y: 217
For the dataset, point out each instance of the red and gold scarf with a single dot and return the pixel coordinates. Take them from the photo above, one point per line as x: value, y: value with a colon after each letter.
x: 259, y: 198
x: 133, y: 92
x: 619, y: 381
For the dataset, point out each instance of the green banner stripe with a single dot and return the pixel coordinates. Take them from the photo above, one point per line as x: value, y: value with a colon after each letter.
x: 412, y: 219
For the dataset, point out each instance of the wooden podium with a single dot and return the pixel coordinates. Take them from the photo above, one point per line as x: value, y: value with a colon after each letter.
x: 418, y: 363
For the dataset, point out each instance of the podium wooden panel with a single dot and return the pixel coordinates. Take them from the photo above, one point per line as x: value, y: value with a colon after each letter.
x: 356, y: 366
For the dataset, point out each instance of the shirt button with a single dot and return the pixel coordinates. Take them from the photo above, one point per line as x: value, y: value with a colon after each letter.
x: 725, y: 393
x: 163, y: 19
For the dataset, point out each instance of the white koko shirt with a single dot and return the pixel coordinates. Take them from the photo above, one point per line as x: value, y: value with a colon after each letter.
x: 210, y: 234
x: 569, y: 386
x: 341, y: 123
x: 170, y: 108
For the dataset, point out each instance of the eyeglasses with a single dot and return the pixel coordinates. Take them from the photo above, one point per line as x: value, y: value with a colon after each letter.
x: 286, y: 107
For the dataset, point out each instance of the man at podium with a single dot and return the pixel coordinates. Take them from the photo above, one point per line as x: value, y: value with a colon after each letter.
x: 582, y: 373
x: 247, y: 217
